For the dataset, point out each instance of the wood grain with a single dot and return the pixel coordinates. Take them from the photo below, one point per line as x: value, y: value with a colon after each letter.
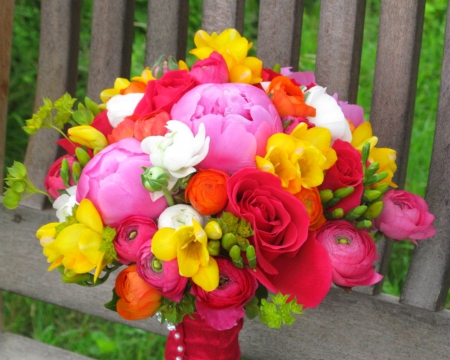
x: 219, y: 15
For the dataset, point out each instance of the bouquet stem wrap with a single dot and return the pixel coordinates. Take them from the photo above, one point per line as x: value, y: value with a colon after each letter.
x: 194, y: 339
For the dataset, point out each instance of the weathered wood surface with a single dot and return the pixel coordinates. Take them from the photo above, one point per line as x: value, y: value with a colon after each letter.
x: 428, y: 278
x: 353, y: 326
x: 219, y: 15
x: 16, y: 347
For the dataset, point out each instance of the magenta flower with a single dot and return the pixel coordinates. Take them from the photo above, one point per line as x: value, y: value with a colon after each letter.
x: 112, y: 181
x: 352, y: 112
x: 213, y: 69
x: 164, y: 276
x: 238, y: 118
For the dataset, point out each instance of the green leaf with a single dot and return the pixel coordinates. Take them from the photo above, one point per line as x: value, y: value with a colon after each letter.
x: 112, y: 305
x: 83, y: 117
x: 279, y: 312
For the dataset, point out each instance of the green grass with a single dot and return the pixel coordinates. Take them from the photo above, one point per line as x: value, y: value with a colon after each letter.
x: 105, y: 340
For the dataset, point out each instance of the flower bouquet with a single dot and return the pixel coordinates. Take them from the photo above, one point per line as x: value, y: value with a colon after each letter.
x: 222, y: 190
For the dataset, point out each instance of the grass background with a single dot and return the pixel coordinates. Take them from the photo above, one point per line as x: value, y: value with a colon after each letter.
x: 104, y: 340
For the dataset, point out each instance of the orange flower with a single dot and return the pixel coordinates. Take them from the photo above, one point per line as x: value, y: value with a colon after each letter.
x: 207, y: 191
x: 138, y: 300
x: 134, y: 87
x: 152, y: 124
x: 122, y: 131
x: 311, y: 199
x: 289, y: 98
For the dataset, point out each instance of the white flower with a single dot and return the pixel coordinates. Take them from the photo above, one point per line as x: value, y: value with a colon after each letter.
x: 179, y: 150
x: 64, y: 204
x: 328, y: 113
x: 121, y: 106
x: 178, y: 215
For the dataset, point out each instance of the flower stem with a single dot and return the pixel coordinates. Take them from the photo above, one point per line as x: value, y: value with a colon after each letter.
x: 168, y: 196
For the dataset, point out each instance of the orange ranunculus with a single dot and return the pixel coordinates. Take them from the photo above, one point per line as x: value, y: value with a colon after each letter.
x: 134, y: 87
x: 138, y: 300
x: 289, y: 98
x: 125, y: 129
x: 152, y: 124
x: 207, y: 191
x: 311, y: 199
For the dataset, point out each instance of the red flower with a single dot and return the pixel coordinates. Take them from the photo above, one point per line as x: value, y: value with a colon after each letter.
x: 347, y: 171
x: 222, y: 308
x: 213, y: 69
x: 289, y: 260
x: 53, y: 181
x: 163, y: 93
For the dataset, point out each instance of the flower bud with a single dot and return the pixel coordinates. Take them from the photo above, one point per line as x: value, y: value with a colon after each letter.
x: 78, y: 278
x: 88, y: 136
x: 325, y: 195
x: 371, y: 169
x: 364, y: 224
x: 365, y: 152
x: 337, y: 213
x: 11, y: 199
x: 343, y: 192
x: 76, y: 172
x: 235, y: 253
x: 331, y: 202
x: 18, y: 186
x: 64, y: 172
x: 250, y: 253
x: 82, y: 156
x: 213, y: 230
x: 374, y: 210
x: 356, y: 212
x: 229, y: 240
x: 376, y: 178
x: 382, y: 188
x: 371, y: 195
x: 154, y: 178
x: 213, y: 247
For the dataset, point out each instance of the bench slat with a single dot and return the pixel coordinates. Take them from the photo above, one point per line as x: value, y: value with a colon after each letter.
x: 279, y: 32
x: 349, y: 326
x: 60, y: 27
x: 219, y: 15
x: 428, y: 278
x: 111, y: 45
x: 167, y: 26
x: 340, y: 45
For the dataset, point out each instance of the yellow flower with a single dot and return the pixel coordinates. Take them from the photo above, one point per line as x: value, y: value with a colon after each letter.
x: 88, y: 136
x: 81, y: 246
x: 384, y: 156
x: 188, y: 245
x: 234, y: 48
x: 300, y: 158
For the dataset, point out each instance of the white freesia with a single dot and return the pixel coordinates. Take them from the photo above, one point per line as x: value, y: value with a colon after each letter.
x: 328, y: 113
x: 178, y: 215
x: 64, y: 204
x: 121, y: 106
x: 179, y: 150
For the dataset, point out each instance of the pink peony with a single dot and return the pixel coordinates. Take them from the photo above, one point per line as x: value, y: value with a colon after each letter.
x: 238, y: 118
x: 284, y: 249
x: 131, y: 234
x: 405, y: 216
x: 210, y: 70
x: 166, y: 279
x: 352, y: 112
x: 53, y: 181
x: 222, y: 308
x: 112, y: 181
x: 352, y: 253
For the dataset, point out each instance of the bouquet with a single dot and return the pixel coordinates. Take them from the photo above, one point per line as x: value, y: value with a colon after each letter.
x: 221, y: 190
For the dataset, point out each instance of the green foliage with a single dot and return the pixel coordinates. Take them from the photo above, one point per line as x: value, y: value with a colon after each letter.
x: 279, y: 311
x: 175, y: 312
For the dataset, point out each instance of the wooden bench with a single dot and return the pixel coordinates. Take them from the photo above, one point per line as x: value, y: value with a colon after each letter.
x: 356, y: 326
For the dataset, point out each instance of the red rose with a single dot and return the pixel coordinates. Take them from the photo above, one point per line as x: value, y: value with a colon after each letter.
x: 352, y: 253
x: 289, y: 260
x: 53, y: 181
x: 222, y: 308
x: 347, y: 171
x: 163, y: 93
x: 405, y: 216
x: 131, y: 234
x: 213, y: 69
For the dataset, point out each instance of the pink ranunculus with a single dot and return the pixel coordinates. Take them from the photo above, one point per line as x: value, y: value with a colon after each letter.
x: 352, y: 112
x: 238, y: 118
x: 163, y: 93
x: 293, y: 122
x: 289, y: 259
x: 131, y: 234
x: 405, y: 216
x: 347, y: 171
x: 112, y: 181
x: 213, y: 70
x: 53, y: 181
x: 305, y: 78
x: 165, y: 277
x: 352, y: 253
x: 222, y: 308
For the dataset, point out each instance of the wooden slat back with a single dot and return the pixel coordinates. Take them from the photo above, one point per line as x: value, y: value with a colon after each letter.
x: 219, y: 15
x: 429, y: 274
x: 58, y: 60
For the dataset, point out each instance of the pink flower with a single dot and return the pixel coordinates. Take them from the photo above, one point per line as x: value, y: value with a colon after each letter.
x: 222, y: 308
x: 352, y: 112
x: 238, y: 118
x: 305, y: 78
x: 352, y: 253
x: 112, y: 181
x: 131, y: 234
x: 405, y: 216
x: 284, y: 250
x: 164, y: 276
x: 210, y: 70
x: 53, y: 181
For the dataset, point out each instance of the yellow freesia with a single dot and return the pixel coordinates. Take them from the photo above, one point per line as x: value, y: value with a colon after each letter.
x: 384, y: 156
x: 88, y: 136
x: 298, y: 159
x: 79, y: 246
x: 234, y: 48
x: 188, y: 245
